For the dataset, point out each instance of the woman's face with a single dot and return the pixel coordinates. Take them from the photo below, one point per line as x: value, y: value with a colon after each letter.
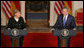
x: 18, y: 14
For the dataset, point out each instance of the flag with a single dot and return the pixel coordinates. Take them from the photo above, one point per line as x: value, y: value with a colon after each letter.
x: 69, y: 5
x: 9, y: 6
x: 60, y: 4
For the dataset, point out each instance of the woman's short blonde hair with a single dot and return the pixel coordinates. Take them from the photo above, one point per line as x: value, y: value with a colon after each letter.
x: 15, y: 11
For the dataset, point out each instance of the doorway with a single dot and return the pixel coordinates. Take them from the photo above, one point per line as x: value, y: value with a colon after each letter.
x: 37, y: 14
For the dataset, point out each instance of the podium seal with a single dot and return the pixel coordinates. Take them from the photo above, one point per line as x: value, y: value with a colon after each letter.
x: 15, y: 32
x: 65, y: 32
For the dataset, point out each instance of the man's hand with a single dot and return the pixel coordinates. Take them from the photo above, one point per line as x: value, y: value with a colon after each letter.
x: 8, y: 28
x: 24, y: 29
x: 74, y: 28
x: 52, y: 29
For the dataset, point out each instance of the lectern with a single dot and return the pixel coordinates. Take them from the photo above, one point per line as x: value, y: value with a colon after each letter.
x: 65, y: 33
x: 15, y: 34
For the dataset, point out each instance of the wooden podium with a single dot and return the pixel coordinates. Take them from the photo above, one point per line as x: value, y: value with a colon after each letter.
x: 15, y: 34
x: 65, y: 33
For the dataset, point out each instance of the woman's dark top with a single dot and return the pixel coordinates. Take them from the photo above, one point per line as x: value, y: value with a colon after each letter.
x: 14, y: 24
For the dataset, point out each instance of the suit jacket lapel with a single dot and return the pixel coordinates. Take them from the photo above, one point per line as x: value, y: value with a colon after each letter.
x: 62, y: 20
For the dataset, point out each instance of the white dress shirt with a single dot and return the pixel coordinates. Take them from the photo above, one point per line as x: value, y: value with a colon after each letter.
x: 65, y: 16
x: 17, y: 19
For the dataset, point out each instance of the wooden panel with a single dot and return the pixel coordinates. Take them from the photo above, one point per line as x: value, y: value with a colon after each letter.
x: 37, y: 23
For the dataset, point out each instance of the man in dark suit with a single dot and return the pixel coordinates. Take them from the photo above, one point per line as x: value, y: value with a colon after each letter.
x: 64, y: 21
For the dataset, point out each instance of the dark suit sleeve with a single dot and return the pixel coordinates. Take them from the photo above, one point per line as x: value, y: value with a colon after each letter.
x: 57, y: 22
x: 9, y: 23
x: 73, y: 23
x: 23, y: 23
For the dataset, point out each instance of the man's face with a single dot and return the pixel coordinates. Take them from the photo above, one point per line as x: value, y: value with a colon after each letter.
x: 64, y: 12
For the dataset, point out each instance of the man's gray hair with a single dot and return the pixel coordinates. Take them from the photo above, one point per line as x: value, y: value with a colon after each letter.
x: 66, y: 8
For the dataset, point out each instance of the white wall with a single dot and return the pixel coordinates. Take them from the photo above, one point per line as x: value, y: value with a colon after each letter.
x: 3, y: 18
x: 52, y: 16
x: 23, y: 9
x: 76, y: 5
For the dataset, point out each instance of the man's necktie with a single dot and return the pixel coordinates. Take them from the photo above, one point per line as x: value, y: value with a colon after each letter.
x: 64, y: 20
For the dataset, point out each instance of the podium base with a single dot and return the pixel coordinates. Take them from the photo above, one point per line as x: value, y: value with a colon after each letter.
x: 63, y: 42
x: 15, y: 41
